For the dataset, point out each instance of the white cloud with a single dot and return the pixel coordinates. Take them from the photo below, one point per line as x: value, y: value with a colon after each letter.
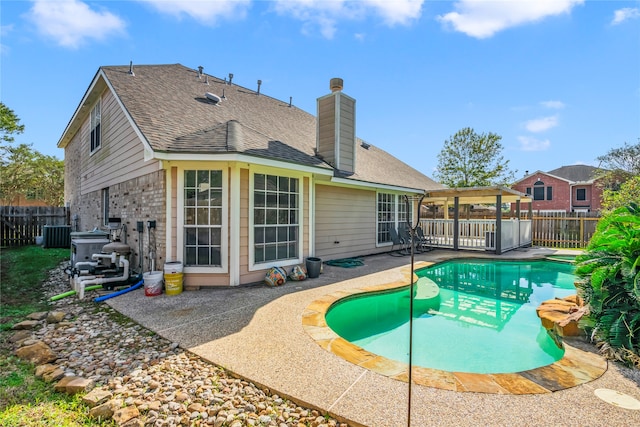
x: 325, y: 14
x: 4, y: 31
x: 556, y: 105
x: 72, y: 22
x: 204, y: 11
x: 484, y: 18
x: 623, y: 14
x: 528, y: 143
x: 541, y: 124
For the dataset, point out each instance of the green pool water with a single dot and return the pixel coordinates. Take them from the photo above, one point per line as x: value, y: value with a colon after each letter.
x: 482, y: 321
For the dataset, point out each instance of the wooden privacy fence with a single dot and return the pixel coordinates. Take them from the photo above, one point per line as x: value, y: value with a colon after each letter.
x: 19, y: 225
x: 558, y: 230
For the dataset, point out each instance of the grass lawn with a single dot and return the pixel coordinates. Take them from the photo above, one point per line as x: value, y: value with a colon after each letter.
x: 24, y: 399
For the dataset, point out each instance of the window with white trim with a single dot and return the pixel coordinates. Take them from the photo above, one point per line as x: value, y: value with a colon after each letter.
x: 203, y: 217
x: 276, y: 218
x: 393, y: 212
x: 96, y: 135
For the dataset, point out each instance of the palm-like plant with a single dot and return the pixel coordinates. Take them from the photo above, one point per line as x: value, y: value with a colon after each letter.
x: 609, y: 273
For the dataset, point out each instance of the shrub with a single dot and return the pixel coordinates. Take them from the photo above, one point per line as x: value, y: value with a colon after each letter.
x: 609, y: 283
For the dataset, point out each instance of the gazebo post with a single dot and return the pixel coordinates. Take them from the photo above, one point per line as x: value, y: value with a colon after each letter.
x: 456, y: 219
x: 498, y: 224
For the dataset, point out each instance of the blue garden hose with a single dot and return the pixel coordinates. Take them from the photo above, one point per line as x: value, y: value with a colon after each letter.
x: 124, y: 291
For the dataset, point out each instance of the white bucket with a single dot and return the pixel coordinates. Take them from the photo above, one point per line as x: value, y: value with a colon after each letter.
x: 152, y: 283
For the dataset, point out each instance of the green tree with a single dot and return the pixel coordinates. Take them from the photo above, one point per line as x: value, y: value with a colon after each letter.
x: 23, y: 169
x: 621, y: 183
x: 624, y: 159
x: 9, y: 124
x: 469, y: 159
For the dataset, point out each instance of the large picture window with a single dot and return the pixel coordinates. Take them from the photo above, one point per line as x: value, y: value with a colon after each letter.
x: 96, y: 136
x: 202, y: 217
x: 276, y: 218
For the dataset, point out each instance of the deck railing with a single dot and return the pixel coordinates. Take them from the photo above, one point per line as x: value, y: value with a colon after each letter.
x: 478, y: 234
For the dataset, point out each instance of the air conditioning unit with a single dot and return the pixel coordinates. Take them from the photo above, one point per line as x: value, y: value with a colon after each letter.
x: 490, y: 240
x: 56, y: 236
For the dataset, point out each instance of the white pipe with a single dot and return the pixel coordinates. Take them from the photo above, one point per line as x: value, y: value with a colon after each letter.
x: 112, y: 257
x: 93, y: 280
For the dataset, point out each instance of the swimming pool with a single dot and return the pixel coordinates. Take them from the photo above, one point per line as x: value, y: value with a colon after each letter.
x: 482, y: 320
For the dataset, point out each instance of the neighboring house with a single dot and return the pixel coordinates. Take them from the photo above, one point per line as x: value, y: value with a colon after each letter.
x: 236, y: 181
x: 33, y: 197
x: 566, y: 189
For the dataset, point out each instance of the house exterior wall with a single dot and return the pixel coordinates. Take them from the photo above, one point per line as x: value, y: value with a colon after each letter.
x: 345, y: 222
x: 136, y: 188
x: 561, y: 197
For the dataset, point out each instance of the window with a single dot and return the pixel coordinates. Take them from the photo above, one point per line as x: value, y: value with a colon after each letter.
x: 392, y: 212
x: 538, y: 190
x: 96, y: 136
x: 276, y: 218
x: 36, y: 194
x: 549, y: 193
x: 105, y: 206
x: 528, y: 191
x: 581, y: 194
x: 202, y: 217
x: 386, y: 216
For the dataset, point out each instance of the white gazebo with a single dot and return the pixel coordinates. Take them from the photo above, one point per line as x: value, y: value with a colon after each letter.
x: 495, y: 234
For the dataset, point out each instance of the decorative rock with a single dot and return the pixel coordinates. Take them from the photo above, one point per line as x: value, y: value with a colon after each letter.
x: 43, y: 369
x: 135, y: 422
x: 561, y: 316
x: 37, y: 353
x: 103, y: 411
x: 19, y: 336
x: 26, y: 324
x: 79, y: 385
x: 54, y: 375
x: 96, y: 397
x: 37, y: 316
x: 122, y: 415
x: 56, y: 316
x: 62, y: 384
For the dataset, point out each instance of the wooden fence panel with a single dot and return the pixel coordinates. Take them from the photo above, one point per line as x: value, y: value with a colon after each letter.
x: 19, y: 225
x: 557, y: 230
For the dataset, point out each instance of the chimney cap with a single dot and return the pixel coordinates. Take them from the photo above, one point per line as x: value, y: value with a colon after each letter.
x: 336, y: 84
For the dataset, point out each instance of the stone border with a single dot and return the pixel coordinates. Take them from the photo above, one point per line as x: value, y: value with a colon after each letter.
x: 575, y: 368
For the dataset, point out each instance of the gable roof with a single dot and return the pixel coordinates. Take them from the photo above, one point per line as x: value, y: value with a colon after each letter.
x: 169, y: 106
x: 577, y: 173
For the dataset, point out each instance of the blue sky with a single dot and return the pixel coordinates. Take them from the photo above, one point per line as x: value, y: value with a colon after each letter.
x: 559, y: 80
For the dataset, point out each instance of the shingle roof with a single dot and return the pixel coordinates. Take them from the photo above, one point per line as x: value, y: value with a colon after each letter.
x: 169, y: 106
x: 577, y: 173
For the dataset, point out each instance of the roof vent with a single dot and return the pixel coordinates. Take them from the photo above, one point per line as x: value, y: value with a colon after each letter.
x: 213, y: 97
x: 230, y: 79
x: 365, y: 145
x: 206, y: 80
x: 223, y: 97
x: 290, y: 101
x: 131, y: 69
x: 200, y: 68
x: 336, y: 84
x: 259, y: 84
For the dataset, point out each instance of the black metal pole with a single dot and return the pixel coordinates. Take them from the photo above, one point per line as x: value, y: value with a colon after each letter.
x: 412, y: 229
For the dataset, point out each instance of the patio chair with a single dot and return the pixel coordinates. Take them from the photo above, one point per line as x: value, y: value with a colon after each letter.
x: 405, y: 235
x: 397, y: 240
x: 425, y: 242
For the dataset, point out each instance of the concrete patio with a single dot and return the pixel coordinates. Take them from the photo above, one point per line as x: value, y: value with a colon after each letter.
x: 257, y: 333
